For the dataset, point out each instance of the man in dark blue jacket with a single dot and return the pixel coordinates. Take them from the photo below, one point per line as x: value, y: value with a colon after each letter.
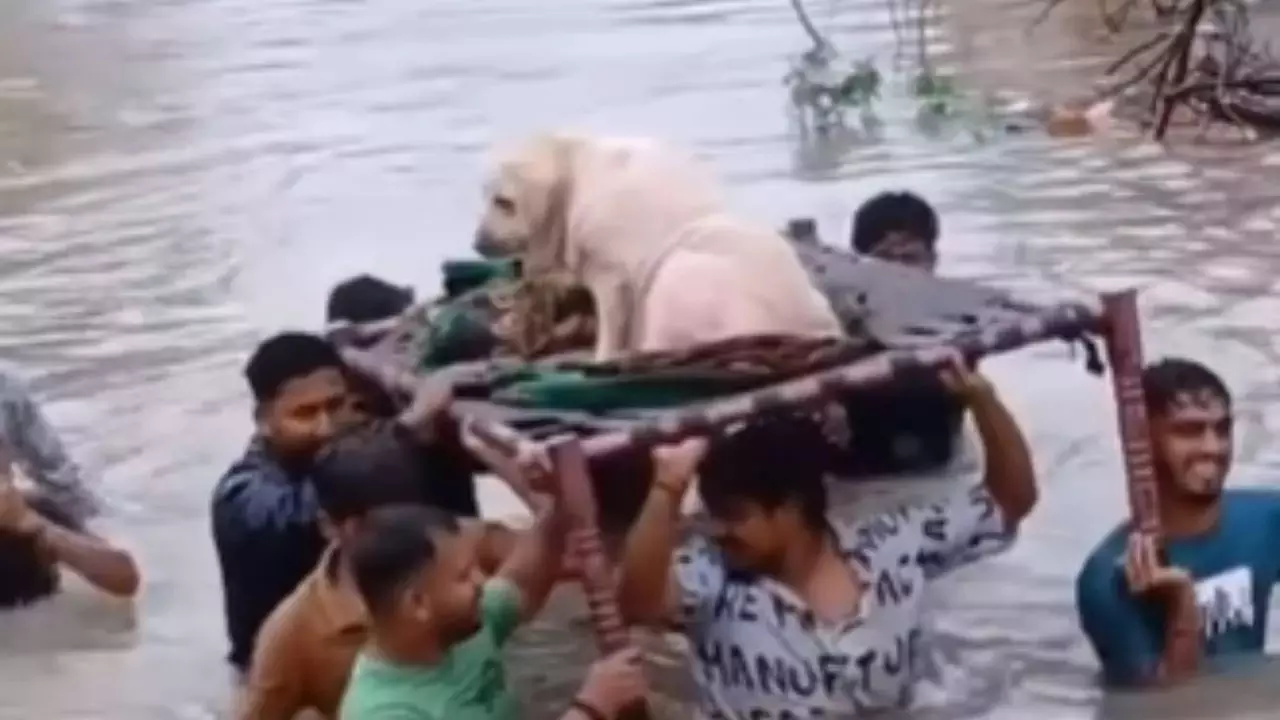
x: 264, y: 508
x: 265, y: 514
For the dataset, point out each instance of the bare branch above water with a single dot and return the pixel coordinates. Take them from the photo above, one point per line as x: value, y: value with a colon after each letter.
x: 1202, y: 65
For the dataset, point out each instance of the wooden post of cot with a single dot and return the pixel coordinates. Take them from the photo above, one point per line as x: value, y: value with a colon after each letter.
x: 1124, y: 350
x: 573, y: 488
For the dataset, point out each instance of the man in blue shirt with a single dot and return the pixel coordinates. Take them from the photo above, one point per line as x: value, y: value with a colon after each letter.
x: 1157, y: 610
x: 265, y: 514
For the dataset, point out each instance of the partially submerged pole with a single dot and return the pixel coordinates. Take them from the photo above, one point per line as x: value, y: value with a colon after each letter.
x: 1124, y: 350
x: 575, y: 491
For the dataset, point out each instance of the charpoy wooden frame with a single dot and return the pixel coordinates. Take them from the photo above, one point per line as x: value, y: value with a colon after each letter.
x: 1116, y: 322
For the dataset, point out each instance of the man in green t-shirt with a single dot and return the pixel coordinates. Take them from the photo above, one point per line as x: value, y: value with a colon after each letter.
x: 438, y: 625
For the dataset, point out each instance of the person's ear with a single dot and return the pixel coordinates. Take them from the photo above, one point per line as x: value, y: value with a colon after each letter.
x: 261, y: 416
x: 789, y: 513
x: 417, y: 605
x: 328, y: 528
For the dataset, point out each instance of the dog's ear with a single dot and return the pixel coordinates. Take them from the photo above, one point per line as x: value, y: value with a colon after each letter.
x: 548, y: 248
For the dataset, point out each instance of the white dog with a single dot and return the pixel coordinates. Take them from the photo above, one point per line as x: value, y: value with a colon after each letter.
x: 644, y: 228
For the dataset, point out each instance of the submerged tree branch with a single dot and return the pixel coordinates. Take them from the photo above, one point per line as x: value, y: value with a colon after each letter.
x: 1203, y: 61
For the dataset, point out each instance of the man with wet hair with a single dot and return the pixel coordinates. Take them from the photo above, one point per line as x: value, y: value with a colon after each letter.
x: 28, y: 439
x: 1158, y: 610
x: 265, y: 515
x: 308, y: 645
x: 451, y: 482
x: 365, y: 298
x: 439, y: 625
x: 791, y: 612
x: 43, y: 527
x: 899, y: 227
x: 901, y: 428
x: 39, y: 537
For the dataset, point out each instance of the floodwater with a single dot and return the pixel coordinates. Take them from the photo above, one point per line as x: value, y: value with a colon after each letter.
x: 178, y: 178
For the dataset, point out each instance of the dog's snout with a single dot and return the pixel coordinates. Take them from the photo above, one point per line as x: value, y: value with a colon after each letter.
x: 485, y: 244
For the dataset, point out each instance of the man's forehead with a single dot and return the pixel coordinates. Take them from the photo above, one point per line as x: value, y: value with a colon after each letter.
x: 454, y: 549
x: 902, y: 236
x: 1198, y: 403
x: 315, y: 387
x: 902, y: 245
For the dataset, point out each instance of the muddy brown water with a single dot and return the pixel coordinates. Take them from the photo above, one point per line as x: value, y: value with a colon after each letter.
x: 179, y: 178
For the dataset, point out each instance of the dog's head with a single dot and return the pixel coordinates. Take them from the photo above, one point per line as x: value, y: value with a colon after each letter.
x: 527, y: 203
x: 531, y: 190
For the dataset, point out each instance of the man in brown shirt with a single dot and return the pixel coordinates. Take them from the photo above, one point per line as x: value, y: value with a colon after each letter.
x: 308, y: 645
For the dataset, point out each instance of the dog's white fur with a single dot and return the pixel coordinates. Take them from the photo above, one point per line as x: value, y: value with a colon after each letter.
x: 644, y: 227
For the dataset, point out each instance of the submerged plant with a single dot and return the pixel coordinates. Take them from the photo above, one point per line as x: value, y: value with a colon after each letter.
x: 824, y: 85
x: 862, y: 85
x: 938, y: 94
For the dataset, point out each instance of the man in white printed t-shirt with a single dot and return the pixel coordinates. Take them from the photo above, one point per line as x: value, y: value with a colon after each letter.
x: 790, y: 614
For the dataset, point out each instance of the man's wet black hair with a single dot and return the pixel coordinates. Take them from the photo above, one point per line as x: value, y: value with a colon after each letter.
x: 368, y: 467
x: 284, y: 357
x: 393, y: 545
x: 365, y: 298
x: 26, y: 574
x: 891, y: 212
x: 770, y: 462
x: 1165, y: 380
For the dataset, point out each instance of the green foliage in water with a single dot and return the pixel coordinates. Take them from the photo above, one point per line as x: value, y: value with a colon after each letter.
x: 944, y: 106
x: 937, y: 93
x: 862, y: 85
x: 823, y: 86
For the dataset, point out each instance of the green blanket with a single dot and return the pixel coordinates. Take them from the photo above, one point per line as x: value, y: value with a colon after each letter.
x: 459, y: 330
x: 556, y: 389
x: 464, y: 276
x: 459, y: 327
